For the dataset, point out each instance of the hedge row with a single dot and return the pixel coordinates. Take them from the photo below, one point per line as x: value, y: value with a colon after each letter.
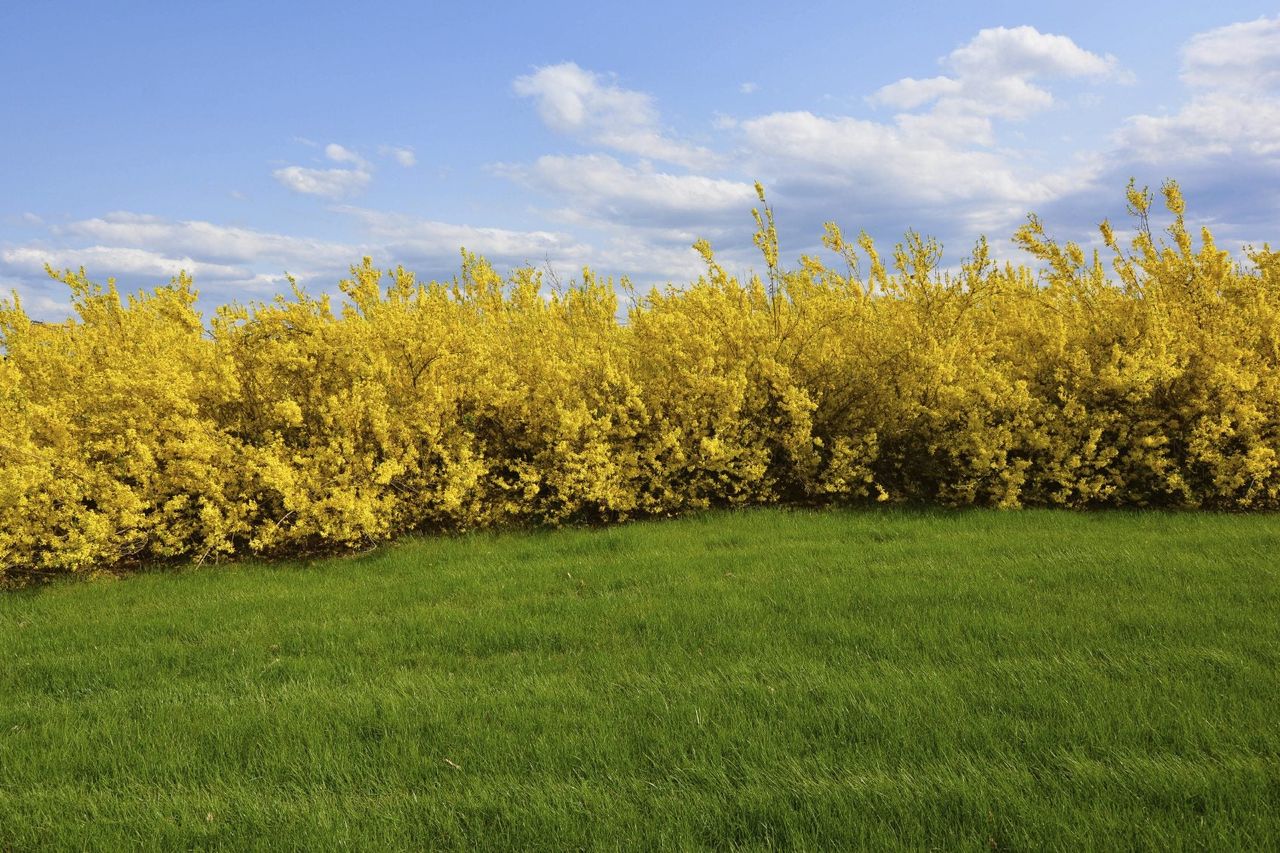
x: 139, y: 431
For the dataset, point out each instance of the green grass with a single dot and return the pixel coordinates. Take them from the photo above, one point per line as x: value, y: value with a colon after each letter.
x: 838, y: 679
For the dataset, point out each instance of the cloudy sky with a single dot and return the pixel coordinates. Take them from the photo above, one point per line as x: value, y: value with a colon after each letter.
x: 243, y: 140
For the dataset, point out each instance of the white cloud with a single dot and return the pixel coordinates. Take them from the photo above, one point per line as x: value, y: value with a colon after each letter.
x: 119, y: 260
x: 642, y: 195
x: 415, y: 238
x: 340, y: 154
x: 1026, y: 52
x: 402, y: 154
x: 578, y: 102
x: 329, y: 183
x: 1240, y: 58
x: 992, y: 75
x: 38, y: 304
x: 146, y: 245
x: 909, y: 93
x: 207, y: 240
x: 228, y: 263
x: 939, y: 151
x: 749, y: 88
x: 939, y: 163
x: 1234, y: 72
x: 234, y: 263
x: 650, y: 260
x: 1210, y: 125
x: 908, y: 173
x: 569, y: 98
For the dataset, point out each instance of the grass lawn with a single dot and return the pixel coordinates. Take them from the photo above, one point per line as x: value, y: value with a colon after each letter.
x: 834, y: 679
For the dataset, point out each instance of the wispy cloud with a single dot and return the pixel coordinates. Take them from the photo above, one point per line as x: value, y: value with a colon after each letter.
x: 402, y: 154
x: 205, y: 240
x: 341, y: 154
x: 582, y: 103
x: 408, y: 238
x: 1234, y: 74
x: 606, y: 188
x: 122, y: 260
x: 232, y: 263
x: 331, y: 183
x: 1239, y: 58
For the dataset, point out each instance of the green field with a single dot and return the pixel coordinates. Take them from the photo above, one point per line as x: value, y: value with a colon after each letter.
x: 836, y: 679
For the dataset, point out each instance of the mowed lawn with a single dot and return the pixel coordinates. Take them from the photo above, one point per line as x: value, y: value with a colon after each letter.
x: 829, y: 679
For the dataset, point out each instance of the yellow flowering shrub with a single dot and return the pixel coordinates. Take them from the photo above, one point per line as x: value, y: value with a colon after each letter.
x: 139, y: 431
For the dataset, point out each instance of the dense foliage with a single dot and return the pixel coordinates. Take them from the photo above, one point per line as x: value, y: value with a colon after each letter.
x: 139, y: 432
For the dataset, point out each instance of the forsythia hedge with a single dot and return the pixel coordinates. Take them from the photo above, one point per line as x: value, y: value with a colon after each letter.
x: 138, y: 432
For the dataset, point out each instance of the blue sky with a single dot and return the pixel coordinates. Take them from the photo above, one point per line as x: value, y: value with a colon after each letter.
x: 244, y: 140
